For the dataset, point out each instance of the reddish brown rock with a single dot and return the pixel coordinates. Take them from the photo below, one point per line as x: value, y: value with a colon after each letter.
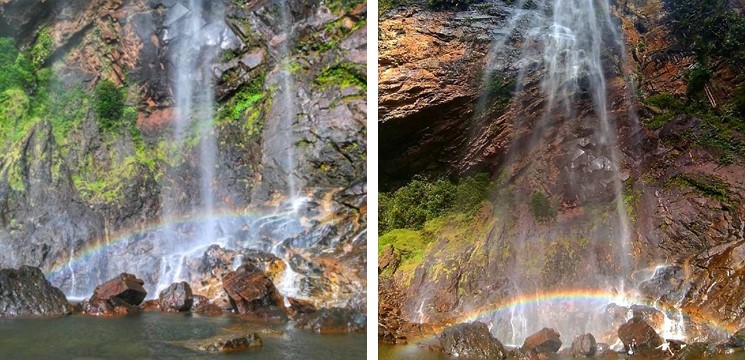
x: 544, y: 341
x: 638, y: 337
x: 150, y: 306
x: 125, y: 287
x: 250, y: 290
x: 242, y: 343
x: 177, y: 297
x: 334, y: 321
x: 203, y: 306
x: 300, y: 307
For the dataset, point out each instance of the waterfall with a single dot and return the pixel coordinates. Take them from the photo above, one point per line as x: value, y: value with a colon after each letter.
x: 566, y: 49
x: 287, y: 103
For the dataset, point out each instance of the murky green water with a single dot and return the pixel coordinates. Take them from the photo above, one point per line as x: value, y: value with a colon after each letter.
x: 156, y: 335
x: 413, y: 352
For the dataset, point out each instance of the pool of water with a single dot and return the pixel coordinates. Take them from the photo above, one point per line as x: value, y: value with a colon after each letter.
x: 157, y: 335
x: 413, y: 352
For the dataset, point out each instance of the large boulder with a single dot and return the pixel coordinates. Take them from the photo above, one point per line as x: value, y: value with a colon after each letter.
x: 125, y: 287
x: 27, y: 293
x: 250, y: 290
x: 638, y: 337
x: 118, y: 296
x: 333, y: 321
x: 201, y: 305
x: 473, y: 341
x: 544, y: 341
x: 177, y: 297
x: 584, y: 346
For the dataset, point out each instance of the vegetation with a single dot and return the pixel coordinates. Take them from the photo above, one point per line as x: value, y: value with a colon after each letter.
x: 42, y: 48
x: 108, y: 102
x: 343, y: 75
x: 422, y: 200
x: 696, y: 78
x: 245, y: 105
x: 541, y: 207
x: 707, y: 186
x: 16, y: 70
x: 709, y: 28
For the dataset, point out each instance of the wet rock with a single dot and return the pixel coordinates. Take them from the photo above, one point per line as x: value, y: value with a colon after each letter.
x: 125, y: 287
x: 584, y: 346
x: 270, y: 264
x: 470, y: 341
x: 333, y: 321
x: 241, y: 343
x: 176, y: 297
x: 112, y: 307
x: 250, y: 290
x: 737, y: 339
x: 27, y: 293
x: 544, y: 341
x: 299, y: 307
x: 150, y: 306
x: 695, y: 351
x: 203, y: 306
x: 388, y: 260
x: 638, y: 337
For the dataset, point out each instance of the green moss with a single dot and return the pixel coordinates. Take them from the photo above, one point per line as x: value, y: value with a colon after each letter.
x: 343, y: 75
x: 338, y: 6
x: 108, y: 102
x: 247, y: 105
x: 42, y: 48
x: 541, y: 207
x: 16, y: 70
x: 15, y: 107
x: 708, y: 186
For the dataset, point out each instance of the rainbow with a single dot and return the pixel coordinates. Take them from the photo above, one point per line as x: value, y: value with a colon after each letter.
x: 571, y: 295
x: 95, y: 246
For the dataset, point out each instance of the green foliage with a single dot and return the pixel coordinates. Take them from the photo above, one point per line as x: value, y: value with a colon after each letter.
x: 738, y: 103
x: 385, y: 5
x: 696, y: 78
x: 343, y: 5
x: 541, y: 207
x: 343, y: 75
x: 15, y: 106
x: 16, y: 69
x: 449, y: 4
x: 411, y: 206
x: 246, y: 105
x: 709, y: 27
x: 42, y: 48
x: 108, y: 102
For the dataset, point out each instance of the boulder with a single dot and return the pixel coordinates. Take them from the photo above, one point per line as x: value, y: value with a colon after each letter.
x: 112, y: 307
x: 470, y: 341
x: 27, y: 293
x: 544, y: 341
x: 250, y: 290
x: 177, y: 297
x: 300, y: 307
x: 584, y: 346
x: 333, y: 321
x: 125, y: 287
x: 201, y: 305
x: 241, y: 343
x: 638, y: 337
x: 150, y: 306
x: 388, y: 260
x: 695, y: 351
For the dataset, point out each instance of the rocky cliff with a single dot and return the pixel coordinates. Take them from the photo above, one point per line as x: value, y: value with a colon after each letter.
x: 87, y: 121
x: 675, y: 99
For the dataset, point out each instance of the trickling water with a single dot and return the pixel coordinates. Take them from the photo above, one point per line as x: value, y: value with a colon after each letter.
x: 287, y: 102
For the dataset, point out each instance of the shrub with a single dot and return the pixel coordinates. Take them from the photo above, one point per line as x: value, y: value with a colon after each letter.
x: 696, y: 78
x: 541, y: 207
x: 739, y: 102
x: 42, y: 48
x: 108, y: 102
x: 422, y: 200
x: 16, y: 69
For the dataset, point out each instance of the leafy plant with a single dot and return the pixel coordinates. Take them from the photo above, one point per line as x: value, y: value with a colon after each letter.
x: 108, y: 102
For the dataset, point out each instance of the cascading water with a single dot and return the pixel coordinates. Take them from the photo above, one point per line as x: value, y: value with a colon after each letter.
x: 567, y: 47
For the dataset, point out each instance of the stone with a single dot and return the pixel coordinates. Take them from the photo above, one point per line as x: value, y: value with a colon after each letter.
x: 544, y: 341
x: 584, y: 346
x: 333, y: 321
x: 150, y: 306
x: 125, y: 287
x: 201, y: 305
x: 470, y: 340
x: 241, y: 343
x: 25, y: 292
x: 249, y: 290
x: 177, y: 297
x: 299, y: 307
x: 638, y: 337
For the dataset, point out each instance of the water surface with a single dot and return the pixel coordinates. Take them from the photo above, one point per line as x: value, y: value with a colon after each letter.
x: 157, y: 335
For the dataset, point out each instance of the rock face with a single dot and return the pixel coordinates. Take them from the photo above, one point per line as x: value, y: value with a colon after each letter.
x: 638, y: 337
x: 118, y: 296
x: 471, y: 341
x: 584, y: 346
x: 177, y: 297
x: 250, y: 290
x: 27, y: 293
x: 333, y: 321
x: 544, y: 341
